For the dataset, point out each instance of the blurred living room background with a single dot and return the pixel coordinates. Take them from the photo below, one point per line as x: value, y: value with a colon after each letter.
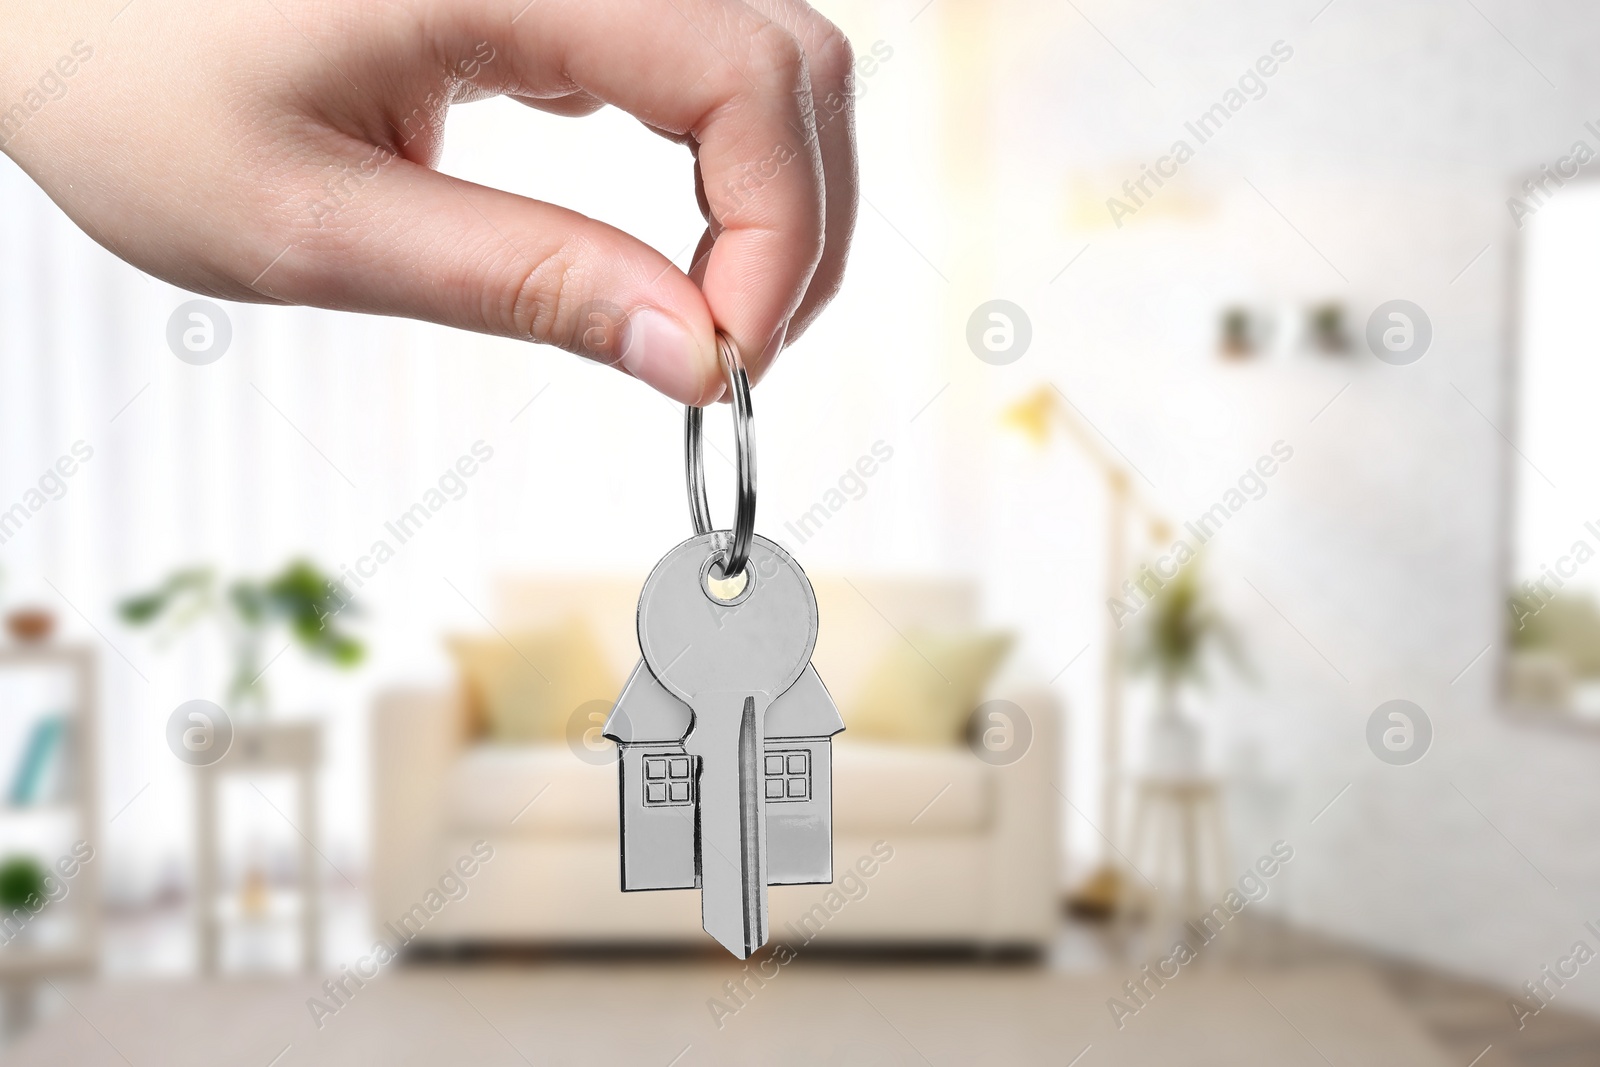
x: 1336, y: 348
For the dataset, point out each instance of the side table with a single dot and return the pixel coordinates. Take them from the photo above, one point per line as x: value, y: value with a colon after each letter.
x: 293, y: 746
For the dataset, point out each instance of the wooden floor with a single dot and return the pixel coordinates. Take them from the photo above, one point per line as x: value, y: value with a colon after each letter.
x: 1470, y: 1021
x: 1266, y: 994
x: 861, y: 1013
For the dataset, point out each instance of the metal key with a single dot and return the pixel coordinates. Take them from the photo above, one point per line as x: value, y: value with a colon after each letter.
x: 728, y: 660
x: 724, y: 667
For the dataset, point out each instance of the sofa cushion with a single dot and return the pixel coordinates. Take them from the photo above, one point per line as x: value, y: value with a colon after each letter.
x: 900, y: 789
x: 924, y: 688
x: 523, y: 686
x: 491, y: 784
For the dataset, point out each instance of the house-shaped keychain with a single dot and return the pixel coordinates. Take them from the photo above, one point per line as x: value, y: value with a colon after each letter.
x: 660, y: 802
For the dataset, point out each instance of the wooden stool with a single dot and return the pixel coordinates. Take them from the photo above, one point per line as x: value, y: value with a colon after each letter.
x: 1189, y: 839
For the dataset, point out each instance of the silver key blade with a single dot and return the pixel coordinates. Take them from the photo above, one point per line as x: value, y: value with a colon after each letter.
x: 733, y: 845
x: 728, y: 660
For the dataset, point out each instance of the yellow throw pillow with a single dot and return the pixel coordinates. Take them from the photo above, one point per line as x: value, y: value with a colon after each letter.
x: 924, y: 688
x: 523, y: 687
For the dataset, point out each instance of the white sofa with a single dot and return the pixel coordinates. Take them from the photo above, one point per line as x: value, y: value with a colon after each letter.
x: 972, y: 848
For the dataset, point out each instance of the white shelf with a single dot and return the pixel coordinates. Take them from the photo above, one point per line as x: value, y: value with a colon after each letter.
x: 77, y: 952
x: 19, y: 811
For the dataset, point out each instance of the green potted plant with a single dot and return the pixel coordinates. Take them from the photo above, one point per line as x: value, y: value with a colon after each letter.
x: 1245, y: 332
x: 300, y: 598
x: 22, y: 886
x: 1180, y: 634
x: 1326, y: 329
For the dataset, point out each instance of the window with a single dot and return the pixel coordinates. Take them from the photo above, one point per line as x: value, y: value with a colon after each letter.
x: 667, y: 781
x: 1553, y: 616
x: 788, y: 776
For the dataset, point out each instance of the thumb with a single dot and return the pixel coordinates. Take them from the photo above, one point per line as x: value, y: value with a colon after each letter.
x: 393, y: 237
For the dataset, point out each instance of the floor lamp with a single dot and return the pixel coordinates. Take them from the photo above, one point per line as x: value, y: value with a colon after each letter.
x: 1038, y: 416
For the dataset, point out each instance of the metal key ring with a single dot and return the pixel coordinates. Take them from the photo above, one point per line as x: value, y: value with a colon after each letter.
x: 744, y: 515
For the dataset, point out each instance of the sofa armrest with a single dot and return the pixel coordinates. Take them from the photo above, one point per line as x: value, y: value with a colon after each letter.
x: 1026, y: 878
x: 416, y: 737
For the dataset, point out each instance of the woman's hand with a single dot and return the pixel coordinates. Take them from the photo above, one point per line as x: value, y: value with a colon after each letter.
x: 281, y: 151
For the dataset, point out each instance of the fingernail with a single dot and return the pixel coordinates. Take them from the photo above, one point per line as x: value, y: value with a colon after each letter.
x: 661, y: 352
x: 774, y: 346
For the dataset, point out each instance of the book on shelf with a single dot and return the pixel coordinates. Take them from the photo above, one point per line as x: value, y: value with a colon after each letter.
x: 40, y: 776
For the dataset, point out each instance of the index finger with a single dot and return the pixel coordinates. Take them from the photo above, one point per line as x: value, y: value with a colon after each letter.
x: 728, y: 80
